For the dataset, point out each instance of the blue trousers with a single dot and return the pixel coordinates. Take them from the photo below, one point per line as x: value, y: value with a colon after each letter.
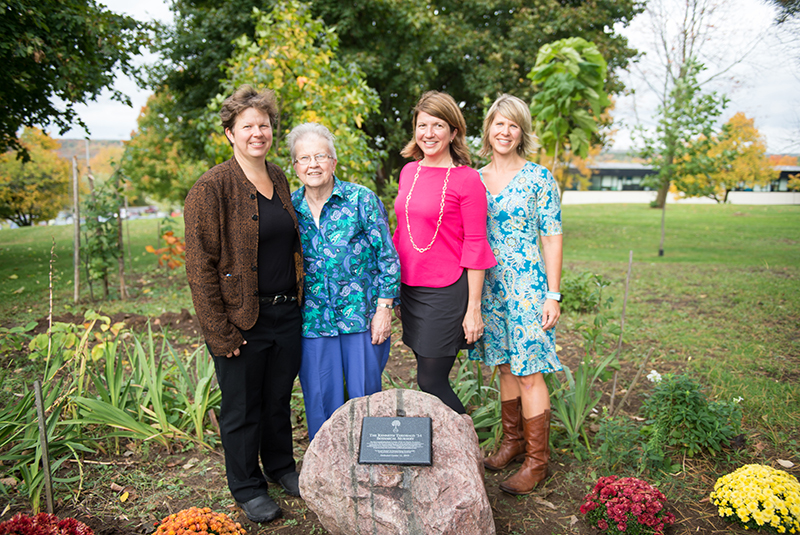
x: 331, y: 362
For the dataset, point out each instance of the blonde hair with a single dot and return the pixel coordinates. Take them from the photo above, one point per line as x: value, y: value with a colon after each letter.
x: 444, y: 107
x: 515, y: 109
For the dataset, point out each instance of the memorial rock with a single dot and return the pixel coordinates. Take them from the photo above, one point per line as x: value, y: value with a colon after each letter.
x: 447, y: 497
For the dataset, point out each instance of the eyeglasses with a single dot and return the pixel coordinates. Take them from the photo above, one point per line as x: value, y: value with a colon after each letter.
x: 306, y: 160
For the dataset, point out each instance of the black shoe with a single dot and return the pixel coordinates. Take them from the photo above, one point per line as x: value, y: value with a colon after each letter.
x: 290, y: 483
x: 260, y: 509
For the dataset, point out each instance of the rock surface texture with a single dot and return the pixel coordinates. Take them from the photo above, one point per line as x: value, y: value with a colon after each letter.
x: 350, y: 498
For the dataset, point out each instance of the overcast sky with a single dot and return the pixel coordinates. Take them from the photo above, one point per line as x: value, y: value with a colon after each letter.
x: 764, y: 86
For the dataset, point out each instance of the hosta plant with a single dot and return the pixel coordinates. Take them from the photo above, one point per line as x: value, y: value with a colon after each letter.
x: 43, y: 524
x: 626, y: 505
x: 200, y: 522
x: 759, y: 497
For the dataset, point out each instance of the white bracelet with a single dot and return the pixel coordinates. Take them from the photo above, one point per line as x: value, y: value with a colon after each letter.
x: 555, y: 296
x: 384, y: 305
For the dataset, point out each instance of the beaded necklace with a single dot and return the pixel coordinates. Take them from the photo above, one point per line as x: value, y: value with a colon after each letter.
x: 441, y: 208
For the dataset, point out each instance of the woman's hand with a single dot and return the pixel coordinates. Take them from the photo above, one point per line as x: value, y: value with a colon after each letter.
x: 473, y: 323
x: 236, y: 351
x: 551, y: 311
x: 381, y: 327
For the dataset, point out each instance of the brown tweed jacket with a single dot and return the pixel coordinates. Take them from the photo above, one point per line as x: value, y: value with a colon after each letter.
x: 221, y: 216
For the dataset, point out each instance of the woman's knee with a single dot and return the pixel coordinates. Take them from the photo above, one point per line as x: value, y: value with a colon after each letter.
x: 530, y: 382
x: 505, y: 370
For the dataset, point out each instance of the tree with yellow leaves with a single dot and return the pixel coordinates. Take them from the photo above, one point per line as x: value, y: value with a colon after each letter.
x: 37, y: 189
x: 294, y: 54
x: 734, y: 158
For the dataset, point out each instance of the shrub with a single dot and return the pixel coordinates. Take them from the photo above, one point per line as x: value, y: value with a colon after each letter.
x: 627, y: 505
x: 43, y: 524
x: 199, y: 521
x: 583, y: 292
x: 620, y: 442
x: 683, y: 418
x: 759, y: 497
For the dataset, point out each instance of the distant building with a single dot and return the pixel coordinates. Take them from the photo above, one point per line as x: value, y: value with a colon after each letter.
x: 627, y: 176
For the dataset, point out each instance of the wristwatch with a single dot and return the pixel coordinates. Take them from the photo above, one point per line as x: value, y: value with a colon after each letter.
x: 555, y: 296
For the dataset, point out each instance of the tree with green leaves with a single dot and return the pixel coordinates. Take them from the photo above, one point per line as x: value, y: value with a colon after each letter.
x: 102, y: 247
x: 195, y: 48
x: 56, y: 54
x: 155, y: 163
x: 679, y: 68
x: 294, y: 54
x: 687, y: 114
x: 787, y: 9
x: 473, y: 49
x: 734, y: 157
x: 33, y: 190
x: 569, y: 79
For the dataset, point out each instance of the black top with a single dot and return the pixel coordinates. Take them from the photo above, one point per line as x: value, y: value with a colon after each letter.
x: 276, y: 245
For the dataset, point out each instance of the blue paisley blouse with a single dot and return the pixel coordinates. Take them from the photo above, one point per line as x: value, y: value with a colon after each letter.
x: 350, y: 260
x: 514, y: 290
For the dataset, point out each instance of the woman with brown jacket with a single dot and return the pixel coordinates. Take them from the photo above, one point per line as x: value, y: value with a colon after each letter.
x: 244, y: 265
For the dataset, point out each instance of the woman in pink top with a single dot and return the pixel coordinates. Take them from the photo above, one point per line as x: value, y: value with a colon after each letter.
x: 441, y: 239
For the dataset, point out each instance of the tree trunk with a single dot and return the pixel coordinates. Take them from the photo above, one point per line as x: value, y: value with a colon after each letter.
x: 553, y: 170
x: 661, y: 196
x: 123, y: 294
x: 76, y: 235
x: 663, y: 227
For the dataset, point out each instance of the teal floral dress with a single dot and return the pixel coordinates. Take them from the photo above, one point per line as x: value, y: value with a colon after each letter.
x: 514, y: 290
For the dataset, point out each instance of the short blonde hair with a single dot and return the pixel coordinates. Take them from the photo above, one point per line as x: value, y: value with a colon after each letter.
x: 515, y: 109
x: 444, y: 107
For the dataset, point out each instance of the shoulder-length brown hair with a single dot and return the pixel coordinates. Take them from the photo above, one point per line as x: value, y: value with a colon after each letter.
x: 246, y: 97
x: 515, y: 109
x: 444, y: 107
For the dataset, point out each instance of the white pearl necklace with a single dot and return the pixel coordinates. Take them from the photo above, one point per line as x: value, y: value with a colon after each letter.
x: 441, y: 208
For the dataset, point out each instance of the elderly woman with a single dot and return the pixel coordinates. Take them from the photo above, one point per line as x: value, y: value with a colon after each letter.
x: 521, y: 294
x: 352, y: 278
x: 441, y: 240
x: 244, y: 265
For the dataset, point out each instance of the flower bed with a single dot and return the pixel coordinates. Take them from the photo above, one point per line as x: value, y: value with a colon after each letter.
x: 759, y: 497
x: 43, y: 524
x: 626, y: 505
x: 199, y: 521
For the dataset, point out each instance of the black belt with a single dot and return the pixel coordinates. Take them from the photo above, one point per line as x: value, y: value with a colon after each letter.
x: 276, y: 299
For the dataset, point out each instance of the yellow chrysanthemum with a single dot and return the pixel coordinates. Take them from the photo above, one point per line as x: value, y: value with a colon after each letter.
x: 759, y: 496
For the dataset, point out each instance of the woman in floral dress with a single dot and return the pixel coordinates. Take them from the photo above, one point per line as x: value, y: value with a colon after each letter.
x: 521, y: 296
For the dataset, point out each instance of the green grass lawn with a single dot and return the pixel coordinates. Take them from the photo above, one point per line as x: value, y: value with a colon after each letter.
x: 724, y: 300
x: 24, y: 265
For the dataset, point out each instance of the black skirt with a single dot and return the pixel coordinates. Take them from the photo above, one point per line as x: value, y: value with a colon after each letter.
x: 432, y: 318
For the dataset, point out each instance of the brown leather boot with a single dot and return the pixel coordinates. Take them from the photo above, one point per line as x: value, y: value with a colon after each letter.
x: 513, y: 446
x: 534, y: 469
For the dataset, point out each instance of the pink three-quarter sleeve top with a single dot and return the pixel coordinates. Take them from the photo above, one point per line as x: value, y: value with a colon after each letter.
x: 461, y: 242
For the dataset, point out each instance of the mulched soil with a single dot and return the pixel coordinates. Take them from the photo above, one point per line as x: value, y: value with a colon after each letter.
x: 158, y: 482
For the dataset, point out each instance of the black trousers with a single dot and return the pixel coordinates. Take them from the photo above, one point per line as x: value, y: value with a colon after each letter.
x: 256, y: 388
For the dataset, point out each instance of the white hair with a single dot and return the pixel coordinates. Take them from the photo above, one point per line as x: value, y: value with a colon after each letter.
x: 304, y: 130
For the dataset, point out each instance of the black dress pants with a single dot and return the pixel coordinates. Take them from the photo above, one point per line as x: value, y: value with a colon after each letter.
x: 256, y: 388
